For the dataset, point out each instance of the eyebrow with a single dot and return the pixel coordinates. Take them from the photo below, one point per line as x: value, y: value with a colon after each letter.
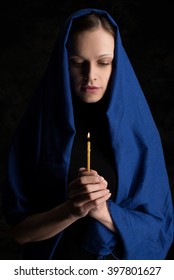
x: 100, y: 56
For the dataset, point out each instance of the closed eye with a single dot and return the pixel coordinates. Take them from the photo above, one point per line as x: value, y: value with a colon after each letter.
x: 105, y: 62
x: 76, y: 61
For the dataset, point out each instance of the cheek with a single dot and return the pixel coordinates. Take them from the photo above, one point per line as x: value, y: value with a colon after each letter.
x: 74, y: 75
x: 106, y: 76
x: 75, y: 80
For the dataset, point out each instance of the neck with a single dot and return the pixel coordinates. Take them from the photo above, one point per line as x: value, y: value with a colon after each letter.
x: 89, y: 116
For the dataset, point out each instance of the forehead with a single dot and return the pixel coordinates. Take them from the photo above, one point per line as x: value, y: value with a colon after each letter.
x: 94, y: 40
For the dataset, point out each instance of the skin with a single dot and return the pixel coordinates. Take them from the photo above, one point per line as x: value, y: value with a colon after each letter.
x: 91, y: 55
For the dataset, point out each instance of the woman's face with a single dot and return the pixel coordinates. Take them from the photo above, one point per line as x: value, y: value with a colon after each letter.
x: 90, y: 63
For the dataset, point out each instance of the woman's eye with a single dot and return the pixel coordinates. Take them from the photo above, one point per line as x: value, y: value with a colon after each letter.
x: 104, y: 63
x: 76, y: 63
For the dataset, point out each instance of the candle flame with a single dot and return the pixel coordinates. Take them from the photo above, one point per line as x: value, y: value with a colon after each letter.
x: 88, y: 135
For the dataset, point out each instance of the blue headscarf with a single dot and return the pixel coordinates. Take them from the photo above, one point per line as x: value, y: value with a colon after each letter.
x: 40, y: 152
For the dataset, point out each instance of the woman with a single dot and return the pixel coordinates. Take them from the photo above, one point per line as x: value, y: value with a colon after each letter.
x: 122, y: 207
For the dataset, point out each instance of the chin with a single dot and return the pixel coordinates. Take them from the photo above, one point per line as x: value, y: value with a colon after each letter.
x: 90, y: 99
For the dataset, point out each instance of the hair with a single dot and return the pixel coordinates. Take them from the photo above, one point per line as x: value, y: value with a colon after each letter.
x: 92, y: 21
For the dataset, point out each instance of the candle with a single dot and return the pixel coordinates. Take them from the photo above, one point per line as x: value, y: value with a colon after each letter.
x: 88, y: 152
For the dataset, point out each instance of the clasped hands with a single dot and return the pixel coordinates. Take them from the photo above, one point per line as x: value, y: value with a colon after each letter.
x: 88, y: 194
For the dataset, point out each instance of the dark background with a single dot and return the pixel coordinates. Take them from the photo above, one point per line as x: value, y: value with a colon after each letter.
x: 28, y: 32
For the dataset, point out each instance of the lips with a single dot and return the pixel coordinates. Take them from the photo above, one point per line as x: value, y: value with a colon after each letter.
x: 90, y: 89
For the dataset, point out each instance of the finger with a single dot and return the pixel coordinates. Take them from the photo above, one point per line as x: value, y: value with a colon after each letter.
x: 84, y: 171
x: 96, y: 203
x: 81, y: 169
x: 81, y: 199
x: 85, y: 180
x: 86, y: 184
x: 89, y: 188
x: 82, y: 209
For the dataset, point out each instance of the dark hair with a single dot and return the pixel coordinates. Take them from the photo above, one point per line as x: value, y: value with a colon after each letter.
x: 92, y: 21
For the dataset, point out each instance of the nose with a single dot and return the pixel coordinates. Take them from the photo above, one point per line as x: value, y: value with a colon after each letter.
x: 90, y: 72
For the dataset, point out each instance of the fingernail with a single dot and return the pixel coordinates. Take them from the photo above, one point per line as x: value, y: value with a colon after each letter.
x: 82, y: 168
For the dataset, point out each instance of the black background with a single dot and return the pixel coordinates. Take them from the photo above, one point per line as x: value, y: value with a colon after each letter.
x: 28, y: 32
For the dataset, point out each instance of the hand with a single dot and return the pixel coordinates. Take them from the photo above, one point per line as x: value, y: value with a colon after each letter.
x: 88, y: 192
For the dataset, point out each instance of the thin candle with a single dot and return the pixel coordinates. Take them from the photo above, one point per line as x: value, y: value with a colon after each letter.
x: 88, y: 152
